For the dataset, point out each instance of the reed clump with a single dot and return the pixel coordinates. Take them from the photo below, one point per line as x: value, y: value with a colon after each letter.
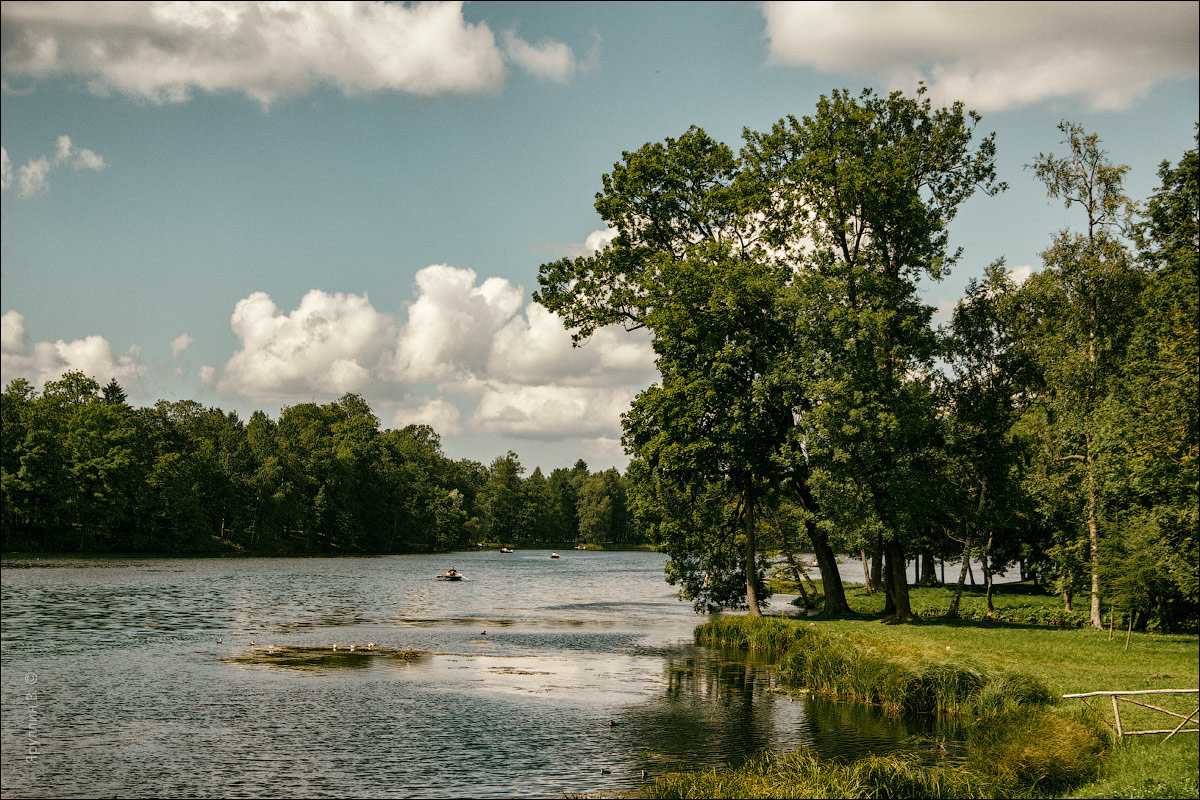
x: 767, y: 634
x: 1041, y: 753
x: 798, y: 774
x: 854, y: 668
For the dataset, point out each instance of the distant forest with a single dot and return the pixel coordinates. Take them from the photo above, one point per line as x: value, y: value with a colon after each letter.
x: 85, y: 472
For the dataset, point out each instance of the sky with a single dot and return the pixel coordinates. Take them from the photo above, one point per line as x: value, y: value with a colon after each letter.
x: 256, y: 205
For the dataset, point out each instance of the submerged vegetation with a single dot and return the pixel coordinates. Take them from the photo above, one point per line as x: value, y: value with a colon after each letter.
x: 311, y: 658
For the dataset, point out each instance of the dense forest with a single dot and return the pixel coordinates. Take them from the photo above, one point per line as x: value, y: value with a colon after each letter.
x: 84, y: 472
x: 807, y: 401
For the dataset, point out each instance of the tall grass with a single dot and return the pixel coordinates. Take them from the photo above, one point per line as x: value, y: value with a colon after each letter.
x: 798, y: 774
x: 768, y: 634
x: 1037, y: 752
x: 857, y: 668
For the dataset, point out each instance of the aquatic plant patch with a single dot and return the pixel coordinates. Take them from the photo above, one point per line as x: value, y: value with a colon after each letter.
x: 356, y: 657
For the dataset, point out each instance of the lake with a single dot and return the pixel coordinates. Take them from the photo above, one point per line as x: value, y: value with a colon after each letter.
x: 534, y: 677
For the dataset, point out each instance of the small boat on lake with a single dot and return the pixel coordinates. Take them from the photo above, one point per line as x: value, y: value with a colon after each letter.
x: 506, y: 549
x: 450, y: 575
x: 554, y: 555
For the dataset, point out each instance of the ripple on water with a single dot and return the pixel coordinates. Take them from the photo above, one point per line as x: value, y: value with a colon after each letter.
x: 218, y: 677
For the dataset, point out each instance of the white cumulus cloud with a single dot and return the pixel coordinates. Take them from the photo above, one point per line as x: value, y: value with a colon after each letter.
x: 164, y: 51
x: 91, y: 355
x: 181, y: 343
x: 551, y: 411
x: 994, y: 55
x: 596, y: 240
x: 77, y: 157
x: 536, y: 349
x: 32, y: 176
x: 330, y: 344
x: 548, y: 59
x: 6, y: 170
x: 451, y: 324
x: 517, y: 361
x: 439, y: 414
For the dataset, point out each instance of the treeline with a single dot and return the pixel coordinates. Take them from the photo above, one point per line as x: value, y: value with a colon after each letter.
x: 806, y: 391
x: 84, y: 472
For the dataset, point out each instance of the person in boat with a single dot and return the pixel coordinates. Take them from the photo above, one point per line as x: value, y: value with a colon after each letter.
x: 450, y: 573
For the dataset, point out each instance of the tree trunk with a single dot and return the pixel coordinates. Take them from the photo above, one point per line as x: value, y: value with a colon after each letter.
x: 1093, y: 540
x: 970, y: 572
x: 895, y: 554
x: 987, y: 575
x: 831, y: 579
x: 751, y: 559
x: 1089, y: 464
x: 877, y: 577
x: 952, y: 612
x: 866, y: 572
x: 1067, y: 600
x: 889, y: 589
x: 928, y: 573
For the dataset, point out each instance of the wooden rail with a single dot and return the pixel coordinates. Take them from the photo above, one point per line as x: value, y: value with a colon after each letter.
x: 1125, y: 697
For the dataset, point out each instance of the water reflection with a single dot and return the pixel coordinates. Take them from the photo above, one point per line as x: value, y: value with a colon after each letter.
x: 215, y: 678
x: 722, y: 706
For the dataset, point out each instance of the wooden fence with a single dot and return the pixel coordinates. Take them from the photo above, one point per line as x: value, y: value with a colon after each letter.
x: 1126, y: 697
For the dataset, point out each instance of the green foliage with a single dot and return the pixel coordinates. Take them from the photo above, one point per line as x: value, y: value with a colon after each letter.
x: 81, y: 471
x: 779, y: 288
x: 860, y: 197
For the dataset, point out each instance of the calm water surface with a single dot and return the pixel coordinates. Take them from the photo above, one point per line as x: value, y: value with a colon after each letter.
x: 535, y: 677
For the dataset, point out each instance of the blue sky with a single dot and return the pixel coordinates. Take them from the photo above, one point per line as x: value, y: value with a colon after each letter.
x: 256, y: 206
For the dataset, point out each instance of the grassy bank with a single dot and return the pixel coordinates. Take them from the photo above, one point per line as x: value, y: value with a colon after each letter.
x: 1025, y: 740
